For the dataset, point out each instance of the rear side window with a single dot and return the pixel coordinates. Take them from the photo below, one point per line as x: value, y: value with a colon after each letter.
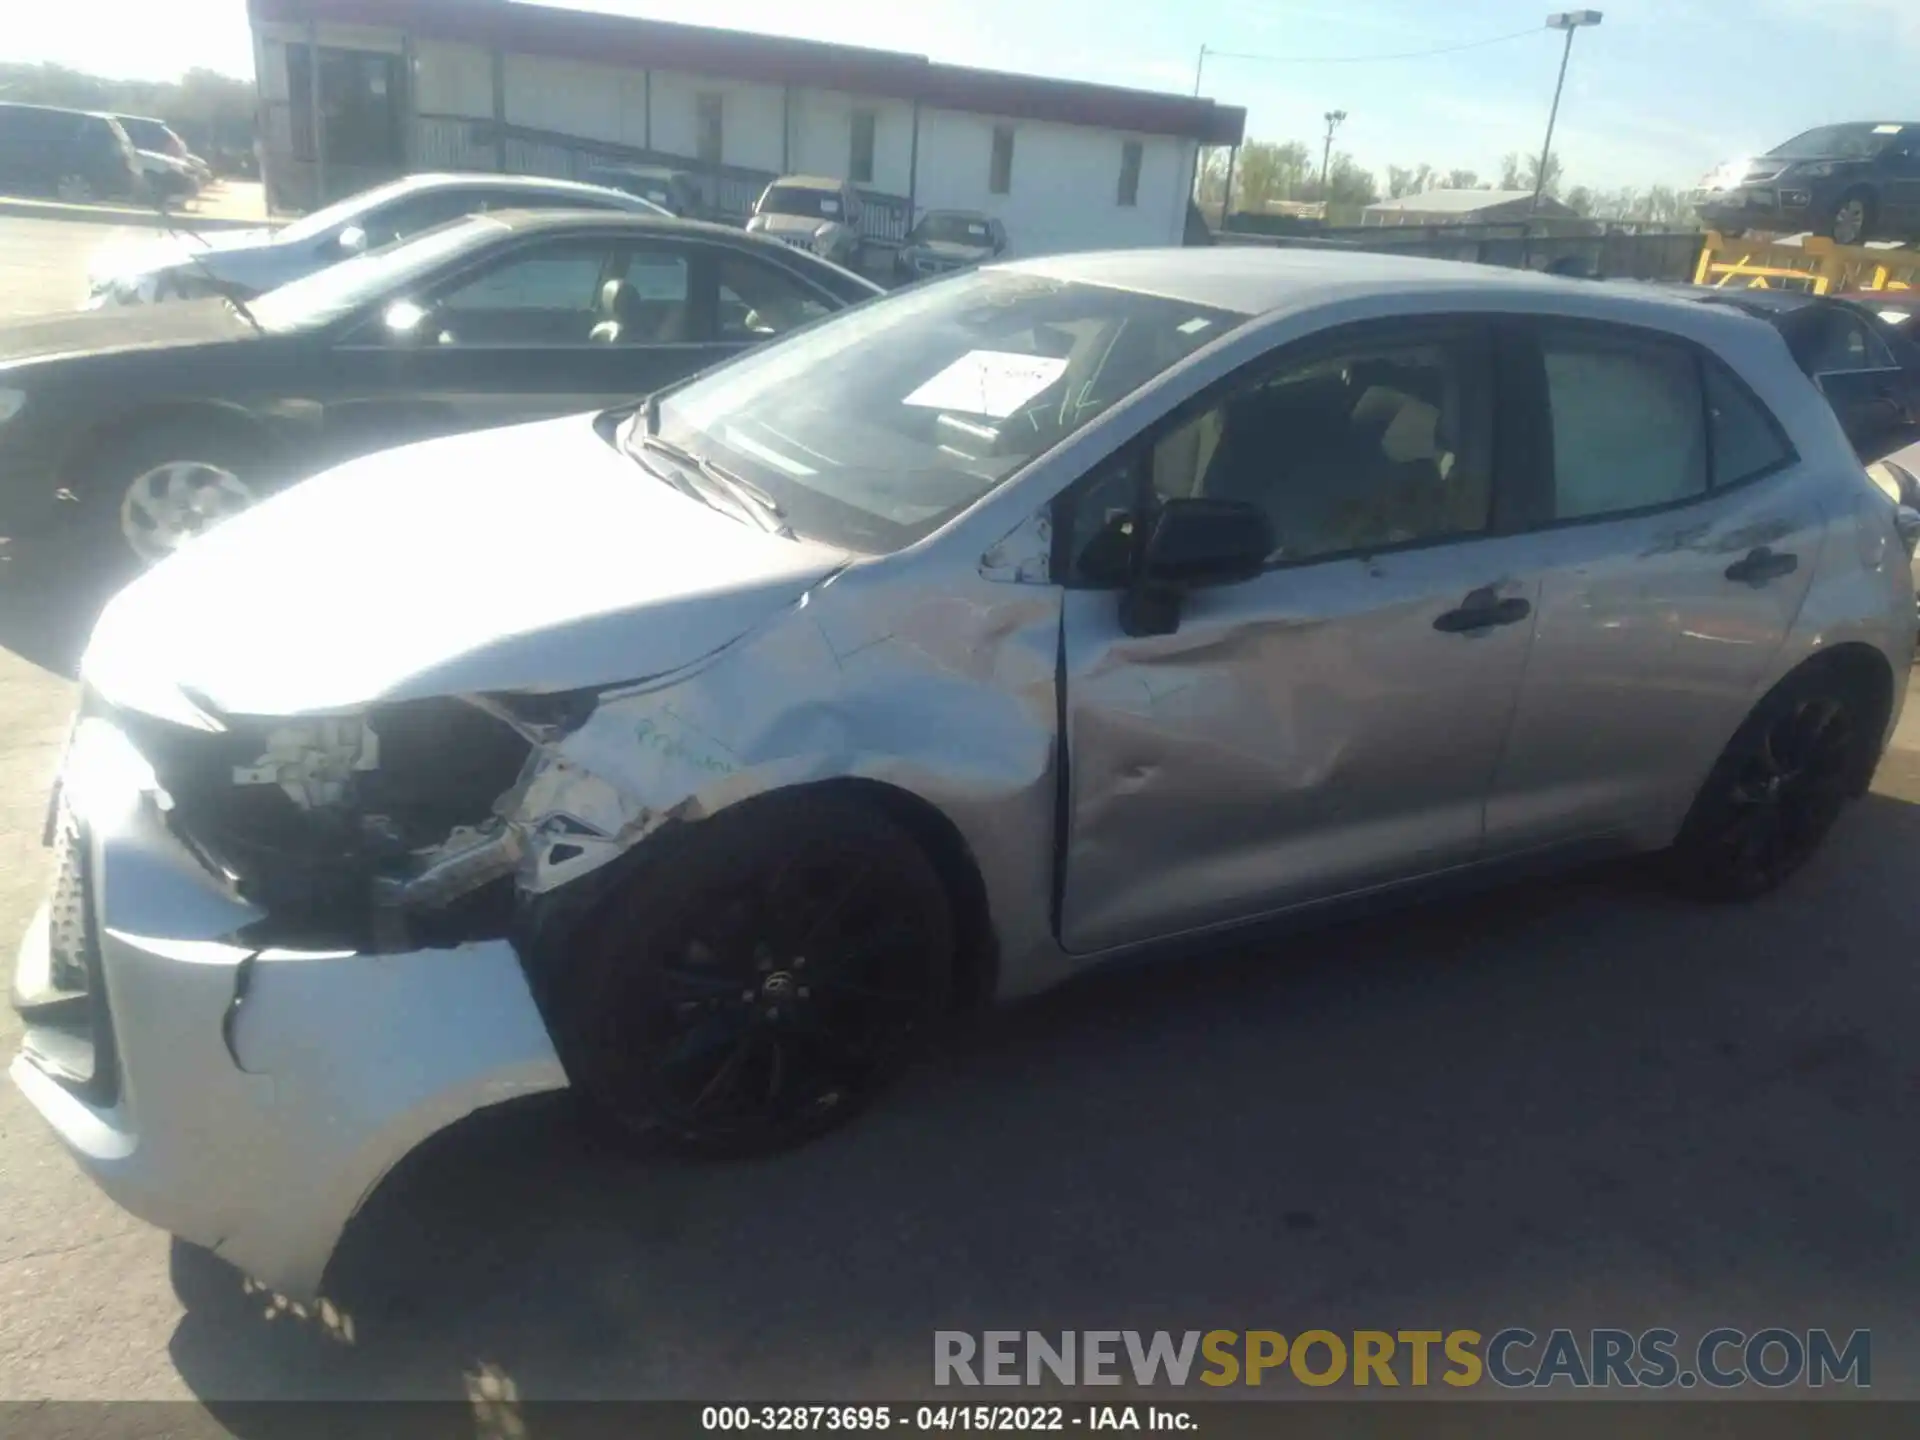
x: 1746, y: 441
x: 1629, y: 424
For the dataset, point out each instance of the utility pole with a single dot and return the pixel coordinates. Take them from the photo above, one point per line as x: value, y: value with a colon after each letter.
x: 1198, y: 66
x: 1334, y: 120
x: 1569, y: 21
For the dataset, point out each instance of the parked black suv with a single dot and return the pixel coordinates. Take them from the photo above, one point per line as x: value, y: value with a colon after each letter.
x: 1853, y: 182
x: 68, y: 154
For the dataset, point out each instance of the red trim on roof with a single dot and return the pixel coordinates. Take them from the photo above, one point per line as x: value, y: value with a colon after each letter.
x: 530, y: 29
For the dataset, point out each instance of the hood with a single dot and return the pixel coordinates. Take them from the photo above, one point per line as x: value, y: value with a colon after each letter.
x: 794, y: 224
x: 228, y: 253
x: 154, y: 160
x: 535, y: 558
x: 141, y: 327
x: 953, y: 250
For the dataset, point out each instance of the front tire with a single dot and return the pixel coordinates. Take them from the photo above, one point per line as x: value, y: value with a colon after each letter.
x: 757, y: 982
x: 1778, y: 788
x: 162, y: 487
x: 1851, y: 220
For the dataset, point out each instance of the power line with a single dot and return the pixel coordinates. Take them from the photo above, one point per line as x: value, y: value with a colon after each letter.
x: 1366, y: 59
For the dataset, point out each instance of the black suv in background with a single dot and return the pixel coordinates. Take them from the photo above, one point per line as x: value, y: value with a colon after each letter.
x: 68, y: 154
x: 1853, y: 182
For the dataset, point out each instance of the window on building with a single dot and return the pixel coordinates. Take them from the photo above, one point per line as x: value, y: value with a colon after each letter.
x: 707, y: 134
x: 1130, y: 172
x: 1000, y: 175
x: 860, y: 162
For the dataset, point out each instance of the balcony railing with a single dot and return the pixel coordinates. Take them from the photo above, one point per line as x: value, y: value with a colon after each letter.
x: 443, y: 142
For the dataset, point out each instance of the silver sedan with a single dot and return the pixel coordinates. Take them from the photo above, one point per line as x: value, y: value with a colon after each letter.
x: 703, y: 756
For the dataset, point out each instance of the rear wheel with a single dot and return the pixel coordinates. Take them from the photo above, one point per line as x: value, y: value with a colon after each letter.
x: 759, y: 982
x: 1777, y: 788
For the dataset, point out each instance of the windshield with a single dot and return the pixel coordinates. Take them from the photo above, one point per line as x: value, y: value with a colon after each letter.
x: 148, y: 134
x: 874, y: 428
x: 955, y: 230
x: 327, y: 295
x: 309, y: 227
x: 1837, y: 142
x: 795, y: 200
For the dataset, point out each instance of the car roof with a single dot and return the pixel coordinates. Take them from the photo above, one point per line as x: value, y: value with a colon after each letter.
x: 494, y: 180
x: 1260, y: 279
x: 535, y: 221
x: 810, y: 182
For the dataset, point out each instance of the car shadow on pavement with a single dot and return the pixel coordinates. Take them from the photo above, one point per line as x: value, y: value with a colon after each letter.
x: 51, y: 592
x: 1578, y: 1102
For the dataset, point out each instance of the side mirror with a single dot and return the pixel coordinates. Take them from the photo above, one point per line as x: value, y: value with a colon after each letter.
x: 351, y: 241
x: 1194, y: 543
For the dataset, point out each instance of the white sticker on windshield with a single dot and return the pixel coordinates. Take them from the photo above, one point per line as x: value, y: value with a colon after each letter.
x: 1888, y: 129
x: 994, y: 383
x: 1194, y: 326
x: 829, y: 206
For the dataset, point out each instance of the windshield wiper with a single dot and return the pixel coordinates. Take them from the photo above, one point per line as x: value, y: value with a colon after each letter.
x: 228, y: 293
x: 745, y: 495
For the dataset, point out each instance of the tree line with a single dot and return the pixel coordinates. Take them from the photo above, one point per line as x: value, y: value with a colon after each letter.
x: 1271, y: 171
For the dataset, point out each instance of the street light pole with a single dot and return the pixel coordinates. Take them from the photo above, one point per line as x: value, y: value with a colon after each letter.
x: 1569, y: 21
x: 1198, y: 66
x: 1333, y: 119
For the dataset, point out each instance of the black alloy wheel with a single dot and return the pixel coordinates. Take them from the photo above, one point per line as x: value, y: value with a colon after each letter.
x: 775, y: 968
x: 1776, y: 792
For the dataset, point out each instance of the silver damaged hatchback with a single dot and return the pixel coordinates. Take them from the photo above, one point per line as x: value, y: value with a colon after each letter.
x: 701, y: 756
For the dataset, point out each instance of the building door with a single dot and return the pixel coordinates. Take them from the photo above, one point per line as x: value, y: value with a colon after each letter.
x: 362, y: 110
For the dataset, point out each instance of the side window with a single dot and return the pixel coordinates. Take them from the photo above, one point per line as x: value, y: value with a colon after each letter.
x: 548, y: 294
x: 1374, y: 445
x: 1629, y: 426
x: 1841, y: 342
x: 759, y: 301
x: 652, y: 304
x: 411, y: 215
x: 1746, y: 441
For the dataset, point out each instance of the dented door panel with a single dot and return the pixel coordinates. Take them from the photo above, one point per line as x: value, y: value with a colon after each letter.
x: 1304, y: 735
x: 1646, y: 658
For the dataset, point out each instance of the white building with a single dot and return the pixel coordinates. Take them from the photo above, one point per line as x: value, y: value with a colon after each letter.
x: 488, y: 84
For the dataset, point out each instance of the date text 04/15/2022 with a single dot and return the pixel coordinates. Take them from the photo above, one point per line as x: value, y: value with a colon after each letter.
x: 1008, y: 1419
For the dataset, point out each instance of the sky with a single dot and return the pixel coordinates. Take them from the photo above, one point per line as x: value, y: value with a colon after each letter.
x: 1659, y: 93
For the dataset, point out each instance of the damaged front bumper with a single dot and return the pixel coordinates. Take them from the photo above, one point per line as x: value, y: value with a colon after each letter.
x: 244, y: 1098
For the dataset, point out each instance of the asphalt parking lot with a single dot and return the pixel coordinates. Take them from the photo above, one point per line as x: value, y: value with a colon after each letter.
x: 1579, y: 1103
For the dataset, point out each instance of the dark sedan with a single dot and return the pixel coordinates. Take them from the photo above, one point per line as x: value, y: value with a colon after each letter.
x: 1868, y: 370
x: 155, y: 422
x: 1852, y: 182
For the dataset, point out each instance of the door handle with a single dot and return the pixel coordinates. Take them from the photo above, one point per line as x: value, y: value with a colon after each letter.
x: 1482, y: 610
x: 1761, y: 565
